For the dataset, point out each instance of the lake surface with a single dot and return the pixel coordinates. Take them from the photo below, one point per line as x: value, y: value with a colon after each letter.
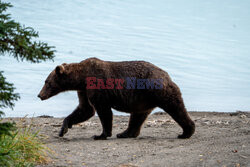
x: 203, y: 45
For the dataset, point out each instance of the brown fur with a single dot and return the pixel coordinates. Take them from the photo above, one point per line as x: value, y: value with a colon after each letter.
x: 138, y: 102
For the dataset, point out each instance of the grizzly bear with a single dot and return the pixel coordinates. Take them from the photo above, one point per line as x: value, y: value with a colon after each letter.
x: 134, y: 87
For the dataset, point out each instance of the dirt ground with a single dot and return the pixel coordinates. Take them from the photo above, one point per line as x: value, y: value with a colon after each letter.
x: 221, y: 139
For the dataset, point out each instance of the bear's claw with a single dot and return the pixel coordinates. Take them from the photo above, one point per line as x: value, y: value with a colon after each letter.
x: 125, y: 134
x: 100, y: 137
x: 63, y: 130
x: 182, y: 136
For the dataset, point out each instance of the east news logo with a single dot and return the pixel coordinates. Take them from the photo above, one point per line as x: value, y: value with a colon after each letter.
x: 127, y: 83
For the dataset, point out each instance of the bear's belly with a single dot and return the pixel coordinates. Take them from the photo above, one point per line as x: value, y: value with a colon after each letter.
x: 135, y: 107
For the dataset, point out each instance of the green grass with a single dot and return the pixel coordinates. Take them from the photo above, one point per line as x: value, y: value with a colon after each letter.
x: 23, y: 147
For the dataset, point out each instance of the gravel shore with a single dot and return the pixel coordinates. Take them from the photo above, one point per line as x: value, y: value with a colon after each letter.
x: 221, y: 139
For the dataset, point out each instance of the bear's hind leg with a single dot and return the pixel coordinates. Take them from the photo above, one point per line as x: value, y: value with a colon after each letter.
x: 177, y: 111
x: 135, y: 122
x: 106, y: 118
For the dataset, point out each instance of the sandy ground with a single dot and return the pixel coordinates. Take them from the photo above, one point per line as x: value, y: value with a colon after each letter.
x: 221, y: 139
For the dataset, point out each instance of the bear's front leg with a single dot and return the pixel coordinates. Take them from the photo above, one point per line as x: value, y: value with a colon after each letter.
x: 77, y: 116
x: 65, y: 126
x: 106, y: 118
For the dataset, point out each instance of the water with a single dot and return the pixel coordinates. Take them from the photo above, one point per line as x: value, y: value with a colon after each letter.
x: 204, y: 45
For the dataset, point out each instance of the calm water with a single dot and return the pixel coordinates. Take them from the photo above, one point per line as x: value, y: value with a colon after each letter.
x: 204, y: 45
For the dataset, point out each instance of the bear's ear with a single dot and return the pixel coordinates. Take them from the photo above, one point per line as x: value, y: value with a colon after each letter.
x: 60, y: 70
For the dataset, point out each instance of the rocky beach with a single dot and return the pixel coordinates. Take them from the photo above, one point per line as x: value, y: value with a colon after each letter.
x: 221, y: 139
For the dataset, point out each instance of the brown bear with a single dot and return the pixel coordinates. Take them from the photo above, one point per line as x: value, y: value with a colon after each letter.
x: 134, y: 87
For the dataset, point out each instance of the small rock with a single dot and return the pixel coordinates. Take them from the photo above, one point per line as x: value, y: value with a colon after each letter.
x: 207, y: 122
x: 158, y: 120
x: 56, y: 125
x: 243, y: 116
x: 234, y: 151
x: 234, y: 114
x: 218, y: 122
x: 45, y: 116
x: 237, y: 165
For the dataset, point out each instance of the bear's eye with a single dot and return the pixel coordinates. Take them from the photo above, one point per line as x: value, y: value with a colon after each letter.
x: 47, y: 83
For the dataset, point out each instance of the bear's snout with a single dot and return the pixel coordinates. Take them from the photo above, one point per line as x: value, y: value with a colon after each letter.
x: 41, y: 97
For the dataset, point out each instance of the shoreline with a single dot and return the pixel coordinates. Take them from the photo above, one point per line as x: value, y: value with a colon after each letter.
x: 221, y: 139
x: 127, y: 114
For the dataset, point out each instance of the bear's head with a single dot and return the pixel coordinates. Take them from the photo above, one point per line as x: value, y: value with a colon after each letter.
x: 55, y: 83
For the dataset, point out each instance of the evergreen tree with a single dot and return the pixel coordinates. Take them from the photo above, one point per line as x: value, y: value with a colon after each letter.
x: 17, y: 40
